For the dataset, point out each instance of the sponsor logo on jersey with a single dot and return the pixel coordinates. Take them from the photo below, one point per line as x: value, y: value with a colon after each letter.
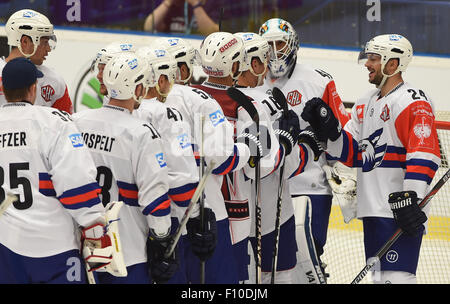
x: 228, y: 45
x: 160, y: 159
x: 360, y: 113
x: 76, y: 140
x: 422, y: 131
x: 217, y: 118
x: 385, y: 114
x: 183, y: 139
x: 47, y: 92
x: 294, y: 98
x: 372, y: 151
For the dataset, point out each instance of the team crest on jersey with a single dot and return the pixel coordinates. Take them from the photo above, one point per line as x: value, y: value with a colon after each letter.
x: 422, y: 131
x: 385, y: 114
x: 47, y: 92
x: 217, y: 118
x: 294, y: 98
x: 76, y: 140
x: 372, y: 151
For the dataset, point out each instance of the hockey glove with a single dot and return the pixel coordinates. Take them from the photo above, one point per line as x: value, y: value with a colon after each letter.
x: 101, y: 245
x: 161, y: 269
x: 322, y: 120
x: 203, y: 239
x: 257, y: 139
x: 407, y: 213
x: 287, y: 130
x: 308, y: 137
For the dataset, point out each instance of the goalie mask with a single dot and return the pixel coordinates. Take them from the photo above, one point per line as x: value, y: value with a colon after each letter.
x: 161, y: 62
x: 218, y: 53
x: 390, y: 46
x: 255, y: 46
x: 182, y: 51
x: 123, y: 73
x: 32, y: 24
x: 284, y: 57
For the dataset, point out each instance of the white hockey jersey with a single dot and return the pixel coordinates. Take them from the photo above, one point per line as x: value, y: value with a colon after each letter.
x: 218, y: 142
x: 304, y: 84
x: 294, y: 165
x: 176, y: 142
x: 131, y: 168
x: 43, y: 159
x: 393, y: 142
x: 51, y: 90
x: 237, y: 188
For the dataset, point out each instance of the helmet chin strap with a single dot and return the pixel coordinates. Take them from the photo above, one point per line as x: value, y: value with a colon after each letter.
x: 386, y: 76
x: 163, y: 95
x: 28, y: 55
x: 260, y: 76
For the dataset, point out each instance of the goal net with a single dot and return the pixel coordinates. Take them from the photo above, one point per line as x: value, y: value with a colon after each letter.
x: 344, y: 250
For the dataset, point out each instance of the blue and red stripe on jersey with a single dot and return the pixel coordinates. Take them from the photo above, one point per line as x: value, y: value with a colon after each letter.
x: 128, y: 193
x: 84, y: 196
x: 229, y: 164
x: 159, y: 207
x: 181, y: 196
x: 303, y: 161
x: 421, y: 169
x: 280, y: 155
x: 46, y: 184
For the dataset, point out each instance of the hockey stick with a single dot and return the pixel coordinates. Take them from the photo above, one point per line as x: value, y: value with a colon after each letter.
x: 248, y: 106
x: 10, y: 198
x: 399, y: 231
x: 198, y: 192
x: 281, y: 99
x: 202, y: 201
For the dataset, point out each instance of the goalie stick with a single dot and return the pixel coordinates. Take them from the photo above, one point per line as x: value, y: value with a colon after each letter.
x: 399, y: 231
x: 248, y: 106
x: 10, y: 198
x: 281, y: 100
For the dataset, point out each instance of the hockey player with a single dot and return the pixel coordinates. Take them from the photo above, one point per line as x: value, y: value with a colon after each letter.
x: 222, y: 57
x: 30, y: 34
x: 254, y: 70
x: 40, y: 155
x: 183, y: 52
x: 131, y: 167
x: 310, y: 191
x: 182, y: 167
x: 391, y: 138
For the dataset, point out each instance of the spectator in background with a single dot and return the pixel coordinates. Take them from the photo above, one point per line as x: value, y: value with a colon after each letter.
x: 181, y: 16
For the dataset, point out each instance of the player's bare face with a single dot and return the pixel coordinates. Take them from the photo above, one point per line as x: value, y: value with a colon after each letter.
x: 101, y: 68
x: 373, y: 65
x: 41, y: 52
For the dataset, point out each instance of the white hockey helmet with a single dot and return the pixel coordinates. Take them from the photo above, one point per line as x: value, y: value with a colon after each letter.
x: 112, y: 49
x: 219, y: 51
x: 284, y: 59
x: 32, y: 24
x: 161, y: 62
x: 123, y: 73
x: 254, y: 46
x: 389, y: 46
x: 181, y: 50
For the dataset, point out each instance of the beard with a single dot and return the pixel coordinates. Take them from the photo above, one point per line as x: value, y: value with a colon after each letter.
x: 376, y: 79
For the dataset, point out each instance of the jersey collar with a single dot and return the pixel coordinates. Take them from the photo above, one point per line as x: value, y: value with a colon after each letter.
x: 108, y: 106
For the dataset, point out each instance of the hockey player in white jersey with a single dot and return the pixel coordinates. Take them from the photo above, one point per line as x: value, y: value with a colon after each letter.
x: 293, y: 158
x: 131, y: 167
x: 222, y: 56
x: 41, y: 150
x: 30, y: 34
x: 391, y: 138
x: 299, y: 83
x: 182, y: 167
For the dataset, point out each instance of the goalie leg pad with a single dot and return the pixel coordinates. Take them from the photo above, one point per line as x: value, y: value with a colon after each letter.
x: 307, y: 259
